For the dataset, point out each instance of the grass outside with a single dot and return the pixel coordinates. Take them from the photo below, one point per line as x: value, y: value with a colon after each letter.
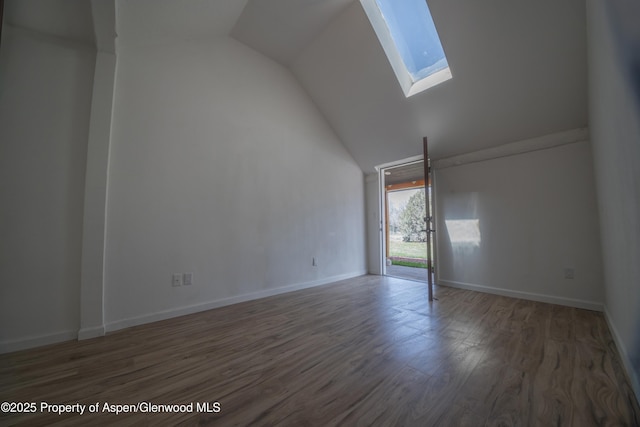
x: 407, y: 249
x: 409, y: 264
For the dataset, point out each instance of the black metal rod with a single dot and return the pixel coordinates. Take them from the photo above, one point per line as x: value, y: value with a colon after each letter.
x: 427, y: 182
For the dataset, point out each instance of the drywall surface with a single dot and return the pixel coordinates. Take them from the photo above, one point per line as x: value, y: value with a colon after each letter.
x: 374, y: 226
x: 45, y: 101
x: 512, y: 226
x: 221, y: 166
x: 95, y: 199
x: 614, y: 112
x: 518, y: 73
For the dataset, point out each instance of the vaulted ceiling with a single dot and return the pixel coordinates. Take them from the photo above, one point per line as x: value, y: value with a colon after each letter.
x: 519, y: 68
x: 70, y: 19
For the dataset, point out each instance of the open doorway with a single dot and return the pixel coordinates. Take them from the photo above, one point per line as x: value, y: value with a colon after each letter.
x: 405, y: 237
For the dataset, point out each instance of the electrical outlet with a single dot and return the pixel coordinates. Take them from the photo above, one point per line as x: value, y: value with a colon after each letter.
x: 176, y: 280
x: 569, y: 273
x: 187, y: 279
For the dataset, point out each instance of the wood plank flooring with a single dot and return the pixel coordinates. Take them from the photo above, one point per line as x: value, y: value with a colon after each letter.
x: 370, y: 351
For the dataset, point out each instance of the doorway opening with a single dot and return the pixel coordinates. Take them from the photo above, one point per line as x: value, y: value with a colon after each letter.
x: 405, y: 231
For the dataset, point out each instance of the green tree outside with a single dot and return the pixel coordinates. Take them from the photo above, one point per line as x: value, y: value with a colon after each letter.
x: 412, y: 225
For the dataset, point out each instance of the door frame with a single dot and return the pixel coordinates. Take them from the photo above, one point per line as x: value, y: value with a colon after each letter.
x: 380, y: 169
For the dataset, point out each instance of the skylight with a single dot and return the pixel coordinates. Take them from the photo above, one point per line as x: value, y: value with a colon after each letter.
x: 408, y: 36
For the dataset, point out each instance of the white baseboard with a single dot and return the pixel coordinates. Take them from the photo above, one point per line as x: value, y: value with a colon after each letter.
x: 624, y: 355
x: 88, y: 333
x: 37, y: 341
x: 182, y: 311
x: 551, y: 299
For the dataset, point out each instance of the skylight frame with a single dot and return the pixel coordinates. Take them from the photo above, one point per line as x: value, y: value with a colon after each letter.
x: 407, y: 83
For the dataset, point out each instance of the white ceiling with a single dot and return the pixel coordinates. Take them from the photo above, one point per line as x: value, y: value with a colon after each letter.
x: 519, y: 68
x: 158, y: 21
x: 519, y: 71
x: 281, y: 29
x: 70, y: 19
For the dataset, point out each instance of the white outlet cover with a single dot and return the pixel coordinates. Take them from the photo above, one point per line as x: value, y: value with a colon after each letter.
x: 187, y: 279
x: 176, y: 280
x: 569, y: 273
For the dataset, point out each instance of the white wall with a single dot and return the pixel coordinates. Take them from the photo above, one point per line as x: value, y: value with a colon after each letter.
x: 45, y: 98
x: 536, y: 214
x: 221, y: 166
x: 95, y: 198
x: 615, y: 123
x: 373, y: 224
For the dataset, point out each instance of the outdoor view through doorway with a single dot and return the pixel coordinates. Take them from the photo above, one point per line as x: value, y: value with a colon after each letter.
x: 405, y: 231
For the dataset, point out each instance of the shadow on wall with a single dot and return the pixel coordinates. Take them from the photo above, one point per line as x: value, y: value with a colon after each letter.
x: 624, y: 16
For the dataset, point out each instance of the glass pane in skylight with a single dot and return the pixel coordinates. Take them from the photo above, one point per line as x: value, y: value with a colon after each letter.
x: 415, y: 36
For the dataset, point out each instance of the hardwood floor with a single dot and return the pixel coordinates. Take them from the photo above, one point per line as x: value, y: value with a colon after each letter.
x: 367, y: 351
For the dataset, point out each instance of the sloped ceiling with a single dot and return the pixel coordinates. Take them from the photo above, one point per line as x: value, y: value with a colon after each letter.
x: 69, y: 19
x: 281, y: 29
x: 519, y: 68
x: 519, y: 71
x: 158, y: 21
